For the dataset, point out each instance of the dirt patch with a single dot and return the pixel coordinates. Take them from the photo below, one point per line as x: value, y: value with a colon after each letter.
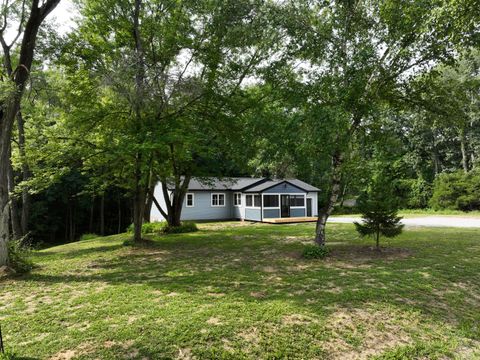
x: 296, y: 319
x: 250, y: 335
x: 6, y: 271
x: 363, y: 333
x: 214, y: 321
x: 258, y: 294
x: 184, y: 354
x: 216, y: 294
x: 64, y: 355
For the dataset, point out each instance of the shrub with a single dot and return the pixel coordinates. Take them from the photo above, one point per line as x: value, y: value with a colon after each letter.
x: 378, y: 205
x: 315, y: 252
x: 19, y: 257
x: 457, y: 191
x: 164, y: 228
x: 148, y: 228
x: 88, y: 236
x: 414, y: 193
x: 185, y: 227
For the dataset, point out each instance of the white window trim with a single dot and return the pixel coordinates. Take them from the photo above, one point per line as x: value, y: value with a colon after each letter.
x: 253, y: 201
x: 224, y: 200
x: 234, y: 199
x: 193, y: 200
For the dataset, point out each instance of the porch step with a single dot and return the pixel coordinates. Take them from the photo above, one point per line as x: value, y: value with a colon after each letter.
x: 290, y: 220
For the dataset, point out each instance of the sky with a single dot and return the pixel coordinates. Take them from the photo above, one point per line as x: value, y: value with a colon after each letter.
x: 64, y: 15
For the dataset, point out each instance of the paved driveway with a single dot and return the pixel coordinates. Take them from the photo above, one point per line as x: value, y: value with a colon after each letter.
x: 434, y: 221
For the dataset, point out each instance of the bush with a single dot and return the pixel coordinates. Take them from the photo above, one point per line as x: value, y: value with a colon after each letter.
x: 457, y: 191
x: 414, y: 193
x: 148, y: 228
x: 164, y: 228
x: 185, y: 227
x: 88, y: 236
x: 19, y: 257
x: 315, y: 252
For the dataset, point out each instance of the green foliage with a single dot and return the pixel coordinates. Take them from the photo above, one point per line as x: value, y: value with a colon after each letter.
x: 88, y: 236
x: 379, y: 208
x: 457, y: 191
x: 164, y: 228
x: 416, y: 193
x: 227, y: 266
x: 20, y: 257
x: 148, y: 228
x: 315, y: 252
x: 185, y: 227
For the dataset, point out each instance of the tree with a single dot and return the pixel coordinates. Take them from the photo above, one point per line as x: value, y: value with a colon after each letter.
x: 29, y: 25
x: 379, y: 207
x: 353, y: 57
x: 168, y: 84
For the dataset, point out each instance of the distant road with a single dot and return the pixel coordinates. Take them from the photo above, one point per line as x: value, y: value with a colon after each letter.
x: 433, y: 221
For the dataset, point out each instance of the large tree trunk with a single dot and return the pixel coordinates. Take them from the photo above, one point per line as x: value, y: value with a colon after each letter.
x: 25, y: 216
x: 139, y: 195
x: 119, y: 225
x: 14, y: 214
x: 337, y: 160
x: 92, y: 211
x: 11, y: 108
x: 463, y: 147
x: 175, y: 202
x: 138, y: 209
x: 102, y: 215
x: 149, y: 201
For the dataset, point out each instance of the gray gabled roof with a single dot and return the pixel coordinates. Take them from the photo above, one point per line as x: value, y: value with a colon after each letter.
x: 230, y: 183
x: 271, y: 183
x: 248, y: 184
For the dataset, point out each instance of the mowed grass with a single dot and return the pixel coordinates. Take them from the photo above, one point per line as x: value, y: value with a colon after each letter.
x: 242, y: 291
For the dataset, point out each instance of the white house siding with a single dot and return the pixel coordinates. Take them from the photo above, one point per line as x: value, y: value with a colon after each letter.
x: 314, y: 196
x: 155, y: 214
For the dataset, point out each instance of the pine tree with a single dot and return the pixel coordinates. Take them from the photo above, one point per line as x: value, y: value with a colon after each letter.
x: 379, y: 208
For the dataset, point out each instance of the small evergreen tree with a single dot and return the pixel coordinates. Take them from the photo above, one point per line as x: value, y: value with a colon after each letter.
x: 379, y: 207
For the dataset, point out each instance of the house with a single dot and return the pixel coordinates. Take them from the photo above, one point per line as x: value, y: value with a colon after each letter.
x: 244, y: 198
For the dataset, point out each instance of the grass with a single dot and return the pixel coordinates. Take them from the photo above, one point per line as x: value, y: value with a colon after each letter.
x: 243, y: 292
x: 412, y: 213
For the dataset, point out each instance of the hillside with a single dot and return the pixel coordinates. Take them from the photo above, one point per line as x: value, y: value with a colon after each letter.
x: 242, y: 291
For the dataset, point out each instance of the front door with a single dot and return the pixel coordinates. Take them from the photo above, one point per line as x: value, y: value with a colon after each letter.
x: 309, y: 207
x: 285, y: 205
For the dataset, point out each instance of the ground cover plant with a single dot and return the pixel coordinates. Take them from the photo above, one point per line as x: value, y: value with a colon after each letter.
x: 244, y: 291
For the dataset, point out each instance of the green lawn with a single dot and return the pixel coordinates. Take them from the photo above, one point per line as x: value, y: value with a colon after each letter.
x: 242, y: 292
x: 411, y: 213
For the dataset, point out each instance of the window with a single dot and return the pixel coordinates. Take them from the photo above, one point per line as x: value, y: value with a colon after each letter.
x: 218, y: 199
x: 237, y: 199
x: 189, y: 200
x: 270, y: 200
x: 297, y: 200
x: 253, y: 200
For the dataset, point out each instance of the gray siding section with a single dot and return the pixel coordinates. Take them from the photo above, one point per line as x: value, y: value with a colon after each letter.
x: 284, y: 188
x: 271, y: 213
x: 297, y: 212
x: 253, y: 214
x: 203, y: 209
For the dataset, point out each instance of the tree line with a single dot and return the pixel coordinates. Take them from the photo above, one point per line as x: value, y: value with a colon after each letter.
x: 159, y: 90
